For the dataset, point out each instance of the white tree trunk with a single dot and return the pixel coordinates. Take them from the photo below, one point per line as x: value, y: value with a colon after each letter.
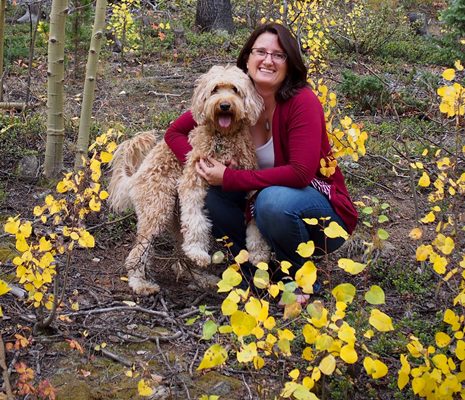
x: 90, y: 80
x: 55, y: 90
x: 2, y: 38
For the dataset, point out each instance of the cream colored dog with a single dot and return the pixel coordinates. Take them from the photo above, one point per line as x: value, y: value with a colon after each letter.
x: 147, y: 175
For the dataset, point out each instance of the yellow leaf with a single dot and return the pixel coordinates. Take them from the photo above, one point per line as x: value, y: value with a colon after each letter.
x: 106, y: 157
x: 334, y: 230
x: 4, y: 288
x: 294, y: 374
x: 103, y: 195
x: 305, y: 277
x: 242, y: 323
x: 458, y: 65
x: 442, y: 339
x: 86, y: 240
x: 228, y: 307
x: 21, y: 244
x: 269, y: 323
x: 285, y: 265
x: 247, y: 353
x: 423, y: 252
x: 350, y: 266
x: 449, y: 74
x: 416, y: 233
x: 144, y: 389
x: 380, y: 321
x: 348, y: 354
x: 311, y: 221
x: 214, y: 356
x: 460, y: 350
x: 430, y: 217
x: 375, y: 368
x: 242, y: 257
x: 38, y: 296
x: 12, y: 226
x: 230, y: 278
x: 404, y: 372
x: 44, y: 244
x: 424, y: 181
x: 344, y: 292
x: 94, y: 205
x: 327, y: 365
x: 375, y: 295
x: 306, y: 249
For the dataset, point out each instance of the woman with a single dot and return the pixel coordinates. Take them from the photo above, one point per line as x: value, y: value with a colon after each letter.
x: 290, y: 140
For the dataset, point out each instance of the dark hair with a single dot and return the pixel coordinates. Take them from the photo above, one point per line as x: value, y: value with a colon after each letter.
x: 296, y: 70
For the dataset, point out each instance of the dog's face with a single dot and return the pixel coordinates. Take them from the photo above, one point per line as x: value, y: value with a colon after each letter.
x: 225, y: 98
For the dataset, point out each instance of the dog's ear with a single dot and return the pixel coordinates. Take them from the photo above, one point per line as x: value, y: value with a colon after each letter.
x: 204, y: 86
x: 253, y: 102
x: 201, y: 92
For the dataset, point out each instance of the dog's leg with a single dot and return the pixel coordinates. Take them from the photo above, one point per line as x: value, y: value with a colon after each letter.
x: 154, y: 196
x: 195, y: 225
x: 135, y: 265
x: 259, y: 251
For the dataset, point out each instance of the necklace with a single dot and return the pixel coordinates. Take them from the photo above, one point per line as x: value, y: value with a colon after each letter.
x: 267, y: 125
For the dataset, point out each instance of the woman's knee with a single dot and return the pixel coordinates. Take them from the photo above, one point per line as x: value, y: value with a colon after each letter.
x: 271, y: 208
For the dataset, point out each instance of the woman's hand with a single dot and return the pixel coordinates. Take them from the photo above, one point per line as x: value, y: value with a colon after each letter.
x: 211, y: 170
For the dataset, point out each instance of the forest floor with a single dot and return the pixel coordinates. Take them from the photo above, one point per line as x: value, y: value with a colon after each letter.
x: 123, y: 335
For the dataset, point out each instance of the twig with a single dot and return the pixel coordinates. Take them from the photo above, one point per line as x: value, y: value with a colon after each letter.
x: 115, y: 221
x: 165, y: 94
x: 370, y: 180
x: 115, y: 357
x: 191, y: 366
x: 247, y: 387
x: 118, y: 308
x: 15, y: 105
x: 5, y: 374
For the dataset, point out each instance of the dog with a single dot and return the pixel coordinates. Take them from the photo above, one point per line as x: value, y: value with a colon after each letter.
x: 147, y: 176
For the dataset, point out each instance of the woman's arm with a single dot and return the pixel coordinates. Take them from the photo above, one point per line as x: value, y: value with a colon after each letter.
x: 176, y: 136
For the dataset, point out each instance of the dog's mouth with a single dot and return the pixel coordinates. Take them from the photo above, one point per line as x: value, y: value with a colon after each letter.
x: 224, y: 120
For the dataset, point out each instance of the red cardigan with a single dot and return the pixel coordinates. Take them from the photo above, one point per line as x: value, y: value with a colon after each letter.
x: 300, y: 141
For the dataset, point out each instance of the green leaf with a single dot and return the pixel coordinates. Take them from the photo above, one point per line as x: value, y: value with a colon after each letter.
x: 382, y: 218
x: 382, y: 234
x: 375, y: 295
x: 261, y: 279
x: 191, y: 321
x: 209, y: 329
x: 367, y: 210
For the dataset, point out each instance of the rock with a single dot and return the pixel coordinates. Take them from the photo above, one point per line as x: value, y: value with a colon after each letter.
x: 28, y: 168
x: 419, y: 22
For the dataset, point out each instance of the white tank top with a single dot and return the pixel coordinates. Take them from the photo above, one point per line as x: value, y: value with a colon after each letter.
x: 265, y: 155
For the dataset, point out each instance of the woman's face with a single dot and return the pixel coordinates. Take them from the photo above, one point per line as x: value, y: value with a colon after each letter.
x: 267, y: 71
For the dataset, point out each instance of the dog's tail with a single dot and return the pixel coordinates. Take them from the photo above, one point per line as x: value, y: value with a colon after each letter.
x: 126, y: 161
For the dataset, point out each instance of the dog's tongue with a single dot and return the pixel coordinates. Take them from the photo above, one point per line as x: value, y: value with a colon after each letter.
x: 224, y: 120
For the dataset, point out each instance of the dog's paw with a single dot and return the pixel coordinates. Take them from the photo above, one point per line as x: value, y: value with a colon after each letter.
x: 197, y: 255
x: 142, y: 287
x: 259, y: 255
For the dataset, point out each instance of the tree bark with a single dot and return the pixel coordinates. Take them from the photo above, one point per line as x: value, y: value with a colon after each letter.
x: 214, y: 15
x: 98, y: 32
x: 2, y: 38
x: 55, y: 90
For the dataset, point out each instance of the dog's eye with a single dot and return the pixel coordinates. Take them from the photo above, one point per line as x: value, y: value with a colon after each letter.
x: 215, y: 89
x: 235, y: 89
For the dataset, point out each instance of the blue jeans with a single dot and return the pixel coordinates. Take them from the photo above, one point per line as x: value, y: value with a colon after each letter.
x: 279, y: 213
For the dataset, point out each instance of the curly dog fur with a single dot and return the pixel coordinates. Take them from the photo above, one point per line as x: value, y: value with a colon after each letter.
x: 147, y: 176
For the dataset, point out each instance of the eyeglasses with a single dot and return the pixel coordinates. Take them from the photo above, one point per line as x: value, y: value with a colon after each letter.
x: 278, y: 58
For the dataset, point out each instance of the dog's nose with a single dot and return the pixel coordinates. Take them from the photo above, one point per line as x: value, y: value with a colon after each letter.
x: 225, y: 106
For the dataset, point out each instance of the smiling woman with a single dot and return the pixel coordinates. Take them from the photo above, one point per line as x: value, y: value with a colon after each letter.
x: 290, y: 142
